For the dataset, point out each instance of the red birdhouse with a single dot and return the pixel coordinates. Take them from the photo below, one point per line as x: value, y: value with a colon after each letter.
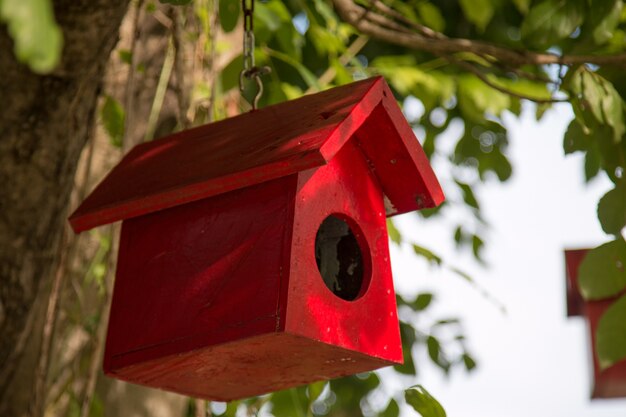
x: 610, y: 382
x: 254, y: 252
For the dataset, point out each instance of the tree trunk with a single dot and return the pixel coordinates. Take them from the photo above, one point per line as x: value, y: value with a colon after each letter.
x: 44, y: 124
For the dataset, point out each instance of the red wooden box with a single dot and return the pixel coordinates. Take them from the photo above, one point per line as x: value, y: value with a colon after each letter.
x: 254, y: 252
x: 610, y: 382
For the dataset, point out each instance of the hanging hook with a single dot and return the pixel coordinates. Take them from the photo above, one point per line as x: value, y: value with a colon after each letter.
x: 256, y: 73
x: 250, y: 70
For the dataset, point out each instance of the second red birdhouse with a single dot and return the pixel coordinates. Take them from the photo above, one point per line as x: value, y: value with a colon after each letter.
x: 609, y: 382
x: 254, y: 251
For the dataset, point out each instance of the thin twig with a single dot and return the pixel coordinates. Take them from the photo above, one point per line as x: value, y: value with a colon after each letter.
x: 159, y: 94
x: 424, y: 30
x: 495, y: 86
x: 384, y: 21
x: 179, y: 67
x: 129, y: 105
x: 37, y: 404
x: 330, y: 73
x: 98, y: 340
x: 212, y: 58
x: 440, y: 45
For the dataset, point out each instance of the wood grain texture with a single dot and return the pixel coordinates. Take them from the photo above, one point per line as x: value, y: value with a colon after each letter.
x: 218, y: 294
x: 248, y: 367
x: 610, y: 382
x: 200, y: 274
x: 259, y: 146
x: 347, y: 189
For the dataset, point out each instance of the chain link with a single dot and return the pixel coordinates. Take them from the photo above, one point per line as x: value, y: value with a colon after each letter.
x: 248, y: 34
x: 250, y: 70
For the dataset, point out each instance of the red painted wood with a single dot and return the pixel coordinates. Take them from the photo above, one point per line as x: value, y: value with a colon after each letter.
x: 259, y: 146
x: 610, y: 382
x: 222, y: 299
x: 200, y: 274
x: 575, y: 301
x: 247, y: 367
x: 347, y: 188
x: 217, y: 292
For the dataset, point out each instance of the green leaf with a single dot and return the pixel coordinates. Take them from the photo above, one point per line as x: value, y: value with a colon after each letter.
x: 600, y: 99
x: 602, y: 272
x: 431, y: 16
x: 611, y: 334
x: 315, y: 390
x: 482, y: 147
x: 112, y: 115
x: 97, y: 406
x: 392, y: 409
x: 469, y: 362
x: 612, y: 210
x: 37, y: 38
x: 436, y: 354
x: 476, y: 98
x: 522, y: 5
x: 125, y: 56
x: 407, y: 332
x: 593, y: 163
x: 230, y: 74
x: 549, y: 21
x: 394, y: 233
x: 477, y: 246
x: 479, y: 12
x: 613, y: 109
x: 422, y: 402
x: 462, y: 274
x: 175, y: 2
x: 444, y: 322
x: 426, y: 253
x: 422, y: 301
x: 603, y: 20
x: 575, y: 138
x: 229, y: 14
x: 431, y: 87
x: 309, y: 78
x: 231, y: 409
x: 593, y: 93
x: 468, y: 194
x: 290, y: 403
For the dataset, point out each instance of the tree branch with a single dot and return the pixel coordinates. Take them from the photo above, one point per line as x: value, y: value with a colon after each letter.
x: 439, y: 44
x: 495, y: 86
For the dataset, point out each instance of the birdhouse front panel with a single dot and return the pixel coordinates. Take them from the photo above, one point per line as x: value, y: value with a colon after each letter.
x: 343, y: 295
x: 254, y: 254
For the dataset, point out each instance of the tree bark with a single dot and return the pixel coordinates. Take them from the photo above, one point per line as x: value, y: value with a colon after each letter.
x: 44, y: 124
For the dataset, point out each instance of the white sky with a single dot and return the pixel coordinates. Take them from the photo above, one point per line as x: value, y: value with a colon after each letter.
x: 533, y: 361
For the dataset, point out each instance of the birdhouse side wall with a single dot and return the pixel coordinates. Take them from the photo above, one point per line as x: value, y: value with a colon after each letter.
x: 201, y: 274
x: 345, y: 188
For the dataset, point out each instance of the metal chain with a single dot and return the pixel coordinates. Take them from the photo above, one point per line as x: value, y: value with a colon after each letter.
x: 248, y: 34
x: 250, y: 70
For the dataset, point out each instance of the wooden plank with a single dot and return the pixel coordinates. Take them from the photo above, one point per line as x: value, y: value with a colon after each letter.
x: 248, y: 149
x: 348, y: 189
x: 248, y: 367
x: 263, y: 145
x: 201, y: 274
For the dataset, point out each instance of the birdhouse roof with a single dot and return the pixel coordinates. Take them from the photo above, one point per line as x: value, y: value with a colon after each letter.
x: 266, y: 144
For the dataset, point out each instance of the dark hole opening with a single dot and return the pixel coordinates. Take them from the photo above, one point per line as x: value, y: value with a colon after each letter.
x: 339, y: 258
